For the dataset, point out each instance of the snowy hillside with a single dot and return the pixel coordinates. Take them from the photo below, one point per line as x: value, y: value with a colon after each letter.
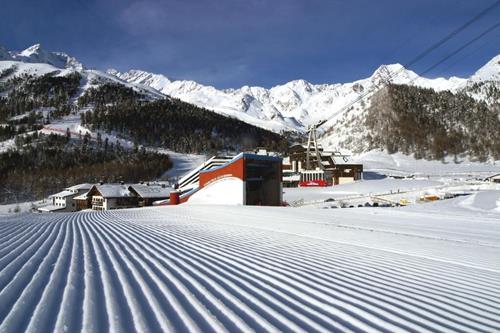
x: 198, y: 269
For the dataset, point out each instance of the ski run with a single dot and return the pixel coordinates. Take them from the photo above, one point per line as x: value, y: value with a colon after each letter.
x: 254, y: 269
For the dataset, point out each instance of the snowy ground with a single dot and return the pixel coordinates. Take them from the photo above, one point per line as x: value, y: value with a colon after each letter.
x: 8, y: 209
x: 359, y: 188
x: 432, y: 267
x: 385, y: 190
x: 400, y: 164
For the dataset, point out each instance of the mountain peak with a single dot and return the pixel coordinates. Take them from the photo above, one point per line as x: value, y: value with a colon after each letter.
x: 36, y: 54
x: 34, y: 49
x: 489, y: 72
x: 393, y: 72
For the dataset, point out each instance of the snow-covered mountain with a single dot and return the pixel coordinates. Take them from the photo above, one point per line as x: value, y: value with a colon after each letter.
x: 489, y: 72
x: 36, y: 61
x: 297, y: 104
x: 292, y: 106
x: 36, y: 54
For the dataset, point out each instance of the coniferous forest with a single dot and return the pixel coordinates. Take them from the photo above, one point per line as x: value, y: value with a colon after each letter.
x: 44, y: 164
x: 432, y: 124
x: 171, y: 123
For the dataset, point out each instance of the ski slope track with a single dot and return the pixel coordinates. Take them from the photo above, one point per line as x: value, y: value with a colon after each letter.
x: 250, y: 269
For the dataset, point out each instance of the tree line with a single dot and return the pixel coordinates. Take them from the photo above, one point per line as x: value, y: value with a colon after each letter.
x: 40, y: 165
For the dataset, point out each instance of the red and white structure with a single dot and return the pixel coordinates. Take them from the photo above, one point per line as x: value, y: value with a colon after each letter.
x: 246, y: 179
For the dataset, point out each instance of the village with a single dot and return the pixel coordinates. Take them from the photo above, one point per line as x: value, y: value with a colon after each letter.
x: 258, y: 178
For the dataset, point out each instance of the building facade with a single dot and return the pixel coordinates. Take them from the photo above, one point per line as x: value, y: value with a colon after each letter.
x: 247, y: 179
x: 336, y: 169
x: 111, y: 196
x: 63, y: 201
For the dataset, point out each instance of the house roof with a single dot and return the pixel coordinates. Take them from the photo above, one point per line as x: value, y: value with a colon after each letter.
x: 64, y: 193
x: 50, y: 208
x: 114, y: 190
x: 73, y: 190
x: 151, y: 191
x: 81, y: 186
x: 82, y: 196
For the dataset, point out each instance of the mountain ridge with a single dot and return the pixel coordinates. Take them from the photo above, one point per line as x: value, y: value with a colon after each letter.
x: 292, y: 106
x: 296, y: 104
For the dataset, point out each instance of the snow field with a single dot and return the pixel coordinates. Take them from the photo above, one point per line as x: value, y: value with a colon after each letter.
x: 201, y: 268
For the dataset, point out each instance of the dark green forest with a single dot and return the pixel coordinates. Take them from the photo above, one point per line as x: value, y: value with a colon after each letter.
x: 44, y: 164
x: 26, y: 93
x: 432, y: 125
x: 171, y: 123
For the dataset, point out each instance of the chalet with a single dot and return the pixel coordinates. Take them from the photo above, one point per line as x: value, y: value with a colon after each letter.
x: 335, y: 167
x: 120, y: 196
x: 147, y: 193
x: 64, y: 201
x: 111, y: 196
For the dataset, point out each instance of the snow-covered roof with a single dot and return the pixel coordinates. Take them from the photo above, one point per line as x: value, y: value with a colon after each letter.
x: 50, y: 208
x: 81, y: 186
x: 64, y: 193
x: 114, y: 190
x: 151, y: 191
x: 82, y: 196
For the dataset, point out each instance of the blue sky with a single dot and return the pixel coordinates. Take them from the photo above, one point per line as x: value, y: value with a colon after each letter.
x: 231, y: 43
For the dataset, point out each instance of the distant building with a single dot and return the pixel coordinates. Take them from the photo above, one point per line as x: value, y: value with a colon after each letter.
x: 120, y: 196
x: 63, y: 201
x: 336, y: 169
x: 147, y: 193
x: 83, y: 201
x: 111, y: 196
x: 246, y: 179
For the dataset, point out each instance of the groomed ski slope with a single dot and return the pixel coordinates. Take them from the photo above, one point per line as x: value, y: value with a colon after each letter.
x: 209, y: 268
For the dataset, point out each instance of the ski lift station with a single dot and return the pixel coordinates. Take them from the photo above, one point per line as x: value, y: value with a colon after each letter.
x: 245, y: 179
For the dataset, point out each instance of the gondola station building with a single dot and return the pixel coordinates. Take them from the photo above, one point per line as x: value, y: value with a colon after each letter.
x: 246, y: 179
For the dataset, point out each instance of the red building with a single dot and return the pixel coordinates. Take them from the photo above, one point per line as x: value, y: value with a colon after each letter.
x: 247, y: 179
